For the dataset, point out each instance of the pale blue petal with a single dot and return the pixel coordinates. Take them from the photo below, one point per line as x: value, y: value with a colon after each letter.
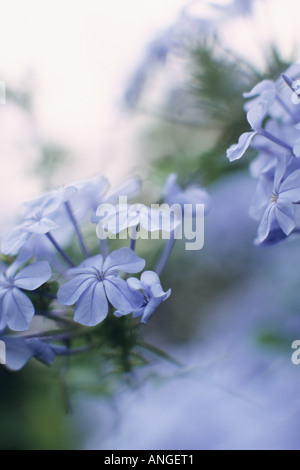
x: 41, y: 226
x: 120, y: 296
x: 263, y: 163
x: 134, y: 283
x: 135, y: 313
x: 91, y: 192
x: 157, y: 292
x: 256, y: 115
x: 290, y: 188
x: 125, y: 260
x: 280, y: 171
x: 259, y: 88
x: 88, y: 266
x: 14, y: 241
x: 18, y: 353
x: 33, y: 276
x: 275, y: 236
x: 285, y: 216
x: 195, y: 195
x: 92, y: 307
x: 261, y: 197
x: 236, y: 151
x: 49, y: 202
x: 115, y: 219
x: 70, y: 292
x: 150, y: 277
x: 20, y: 261
x: 18, y: 309
x: 266, y: 222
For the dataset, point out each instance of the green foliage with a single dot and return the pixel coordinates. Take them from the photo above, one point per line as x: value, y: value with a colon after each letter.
x: 218, y: 79
x: 32, y: 414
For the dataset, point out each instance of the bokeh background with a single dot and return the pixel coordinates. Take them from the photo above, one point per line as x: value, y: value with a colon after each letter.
x: 146, y: 88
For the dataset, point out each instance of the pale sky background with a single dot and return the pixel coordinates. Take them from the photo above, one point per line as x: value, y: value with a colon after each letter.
x: 76, y: 56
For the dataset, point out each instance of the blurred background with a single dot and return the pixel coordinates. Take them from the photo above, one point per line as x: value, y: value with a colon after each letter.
x: 146, y: 88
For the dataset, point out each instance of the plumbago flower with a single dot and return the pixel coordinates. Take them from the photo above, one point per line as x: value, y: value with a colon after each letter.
x: 20, y: 350
x: 16, y: 309
x: 273, y: 113
x: 116, y: 219
x: 97, y: 283
x: 63, y: 209
x: 50, y: 269
x: 280, y: 211
x: 39, y: 219
x: 153, y: 295
x: 187, y: 198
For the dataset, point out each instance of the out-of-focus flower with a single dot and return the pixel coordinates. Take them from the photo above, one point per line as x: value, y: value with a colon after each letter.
x: 187, y: 198
x: 93, y: 192
x: 20, y: 350
x: 62, y: 210
x: 16, y: 309
x: 153, y: 294
x: 275, y: 101
x: 117, y: 218
x: 262, y: 91
x: 97, y: 282
x: 39, y: 219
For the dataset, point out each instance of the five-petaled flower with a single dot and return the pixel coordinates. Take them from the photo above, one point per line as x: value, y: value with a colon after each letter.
x: 97, y: 283
x: 285, y: 193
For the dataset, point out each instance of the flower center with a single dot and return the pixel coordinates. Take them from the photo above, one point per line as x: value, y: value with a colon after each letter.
x: 37, y: 216
x: 99, y: 275
x: 274, y: 198
x: 5, y: 281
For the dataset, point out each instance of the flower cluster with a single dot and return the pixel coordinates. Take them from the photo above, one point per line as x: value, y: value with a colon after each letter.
x: 55, y: 267
x: 273, y: 113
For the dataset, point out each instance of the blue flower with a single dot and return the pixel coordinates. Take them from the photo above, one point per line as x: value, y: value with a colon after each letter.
x: 275, y: 101
x: 280, y: 211
x: 20, y: 350
x: 187, y: 198
x: 38, y: 219
x: 153, y: 294
x: 62, y: 209
x: 117, y: 218
x: 264, y: 91
x: 97, y: 282
x: 95, y: 191
x: 16, y: 309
